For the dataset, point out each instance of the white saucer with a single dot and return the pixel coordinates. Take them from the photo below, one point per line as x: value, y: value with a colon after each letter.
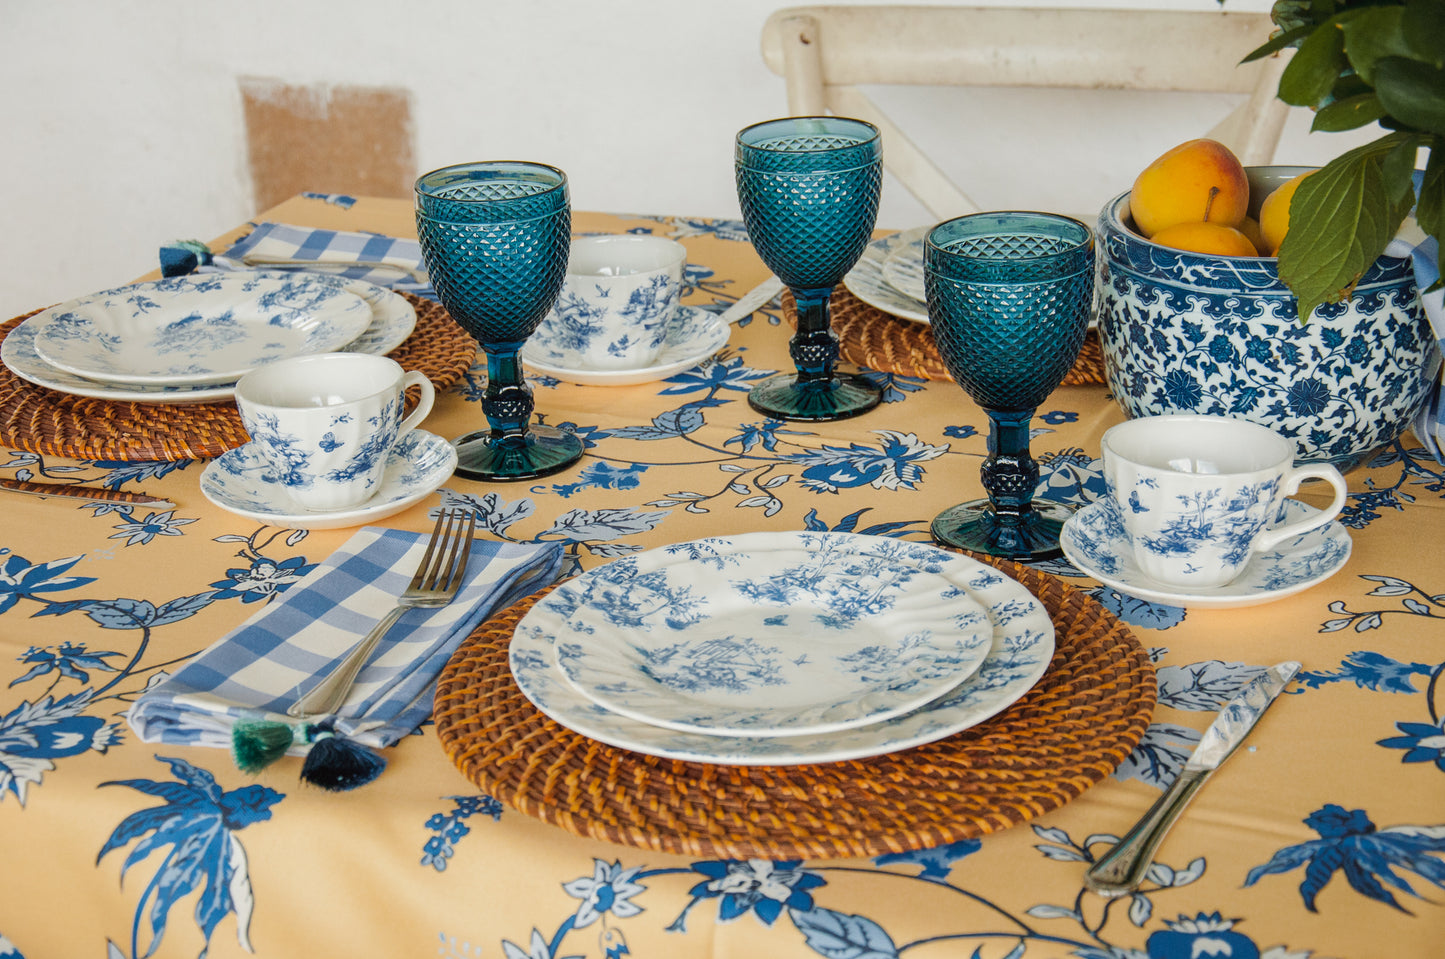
x: 868, y: 280
x: 236, y: 482
x: 693, y: 335
x: 1093, y: 540
x: 393, y: 320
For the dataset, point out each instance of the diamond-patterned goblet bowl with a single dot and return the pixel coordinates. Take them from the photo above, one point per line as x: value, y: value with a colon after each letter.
x: 1009, y: 297
x: 495, y: 238
x: 808, y: 188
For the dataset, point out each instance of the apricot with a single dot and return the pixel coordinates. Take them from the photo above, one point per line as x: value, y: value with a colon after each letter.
x: 1196, y: 182
x: 1274, y: 215
x: 1250, y: 228
x: 1206, y: 238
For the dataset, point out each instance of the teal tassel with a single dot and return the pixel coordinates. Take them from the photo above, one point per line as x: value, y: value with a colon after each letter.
x: 256, y: 744
x: 336, y: 763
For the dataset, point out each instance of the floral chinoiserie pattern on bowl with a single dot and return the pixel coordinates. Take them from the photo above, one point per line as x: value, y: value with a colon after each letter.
x: 199, y: 329
x: 1191, y: 333
x: 764, y: 634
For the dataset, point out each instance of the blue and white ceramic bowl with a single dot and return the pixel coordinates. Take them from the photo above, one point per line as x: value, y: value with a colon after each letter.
x: 1195, y: 333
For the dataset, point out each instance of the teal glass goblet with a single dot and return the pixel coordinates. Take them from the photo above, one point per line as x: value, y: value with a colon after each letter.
x: 495, y: 237
x: 808, y: 187
x: 1009, y: 298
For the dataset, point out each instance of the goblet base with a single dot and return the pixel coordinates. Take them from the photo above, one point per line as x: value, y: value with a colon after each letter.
x: 838, y: 398
x: 975, y: 526
x: 540, y: 451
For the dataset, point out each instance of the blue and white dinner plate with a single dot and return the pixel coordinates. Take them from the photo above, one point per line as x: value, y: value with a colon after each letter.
x: 1094, y: 541
x: 868, y: 280
x: 764, y: 635
x: 392, y: 320
x: 1021, y: 646
x: 200, y: 329
x: 693, y: 335
x: 238, y: 481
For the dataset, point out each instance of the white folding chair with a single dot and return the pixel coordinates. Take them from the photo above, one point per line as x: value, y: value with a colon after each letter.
x: 825, y: 53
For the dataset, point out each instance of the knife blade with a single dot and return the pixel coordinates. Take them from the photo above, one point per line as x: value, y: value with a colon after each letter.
x: 90, y: 493
x: 752, y: 299
x: 1122, y: 868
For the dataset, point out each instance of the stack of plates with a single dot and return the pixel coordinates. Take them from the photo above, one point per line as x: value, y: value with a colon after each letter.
x: 781, y: 648
x: 889, y: 275
x: 189, y: 339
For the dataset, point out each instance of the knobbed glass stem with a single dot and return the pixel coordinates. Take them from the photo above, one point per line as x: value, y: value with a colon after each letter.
x: 507, y: 402
x: 814, y: 347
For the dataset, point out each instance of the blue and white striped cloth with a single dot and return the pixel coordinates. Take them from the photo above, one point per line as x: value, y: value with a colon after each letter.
x: 260, y: 668
x: 329, y: 251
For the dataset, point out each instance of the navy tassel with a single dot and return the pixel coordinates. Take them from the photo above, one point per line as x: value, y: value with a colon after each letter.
x: 256, y: 744
x: 336, y: 763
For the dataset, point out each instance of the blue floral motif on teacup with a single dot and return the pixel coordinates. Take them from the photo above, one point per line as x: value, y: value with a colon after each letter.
x: 1190, y: 333
x: 594, y: 327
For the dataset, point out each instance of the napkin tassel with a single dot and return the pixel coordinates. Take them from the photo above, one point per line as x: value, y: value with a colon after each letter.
x: 256, y: 744
x: 336, y: 763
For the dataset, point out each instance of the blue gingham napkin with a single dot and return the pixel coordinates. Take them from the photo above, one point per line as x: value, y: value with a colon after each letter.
x: 260, y: 668
x: 327, y: 251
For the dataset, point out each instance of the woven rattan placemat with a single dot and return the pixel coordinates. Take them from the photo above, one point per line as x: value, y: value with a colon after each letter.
x: 881, y: 341
x: 40, y: 420
x: 1071, y: 730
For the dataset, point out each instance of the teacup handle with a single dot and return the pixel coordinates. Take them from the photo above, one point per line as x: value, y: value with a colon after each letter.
x: 423, y: 405
x: 1292, y: 480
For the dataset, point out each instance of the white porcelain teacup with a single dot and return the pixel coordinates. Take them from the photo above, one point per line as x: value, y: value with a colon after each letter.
x: 615, y: 304
x: 326, y: 423
x: 1198, y: 496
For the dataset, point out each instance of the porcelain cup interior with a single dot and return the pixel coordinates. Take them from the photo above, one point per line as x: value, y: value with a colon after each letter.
x: 326, y: 423
x: 1198, y: 496
x: 619, y: 294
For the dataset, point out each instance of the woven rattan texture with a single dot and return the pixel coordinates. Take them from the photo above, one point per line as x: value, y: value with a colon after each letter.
x: 41, y: 420
x: 881, y: 341
x: 1072, y: 729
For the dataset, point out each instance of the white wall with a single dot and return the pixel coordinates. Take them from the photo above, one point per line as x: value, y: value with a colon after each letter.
x: 123, y: 130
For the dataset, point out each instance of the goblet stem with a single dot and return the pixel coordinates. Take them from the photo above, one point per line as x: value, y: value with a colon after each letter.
x: 814, y: 347
x: 507, y: 402
x: 816, y: 391
x: 1008, y: 523
x: 513, y: 448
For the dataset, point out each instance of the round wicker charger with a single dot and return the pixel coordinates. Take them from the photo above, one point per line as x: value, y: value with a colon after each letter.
x: 41, y: 420
x: 1070, y: 731
x: 881, y: 341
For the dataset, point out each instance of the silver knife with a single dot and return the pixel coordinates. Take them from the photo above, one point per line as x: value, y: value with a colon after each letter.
x: 1120, y: 870
x: 752, y: 299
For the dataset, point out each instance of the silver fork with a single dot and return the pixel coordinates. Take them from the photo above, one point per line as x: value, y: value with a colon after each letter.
x: 435, y: 584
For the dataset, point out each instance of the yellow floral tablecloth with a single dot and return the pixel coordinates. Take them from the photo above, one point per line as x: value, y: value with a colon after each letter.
x: 1323, y: 837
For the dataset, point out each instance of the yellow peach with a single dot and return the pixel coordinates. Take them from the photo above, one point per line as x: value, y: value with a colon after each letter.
x: 1206, y: 238
x: 1274, y: 215
x: 1196, y: 182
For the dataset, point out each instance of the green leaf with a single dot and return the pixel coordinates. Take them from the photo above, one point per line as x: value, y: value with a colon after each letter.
x: 1313, y: 69
x: 1348, y: 114
x: 1398, y: 168
x: 1278, y: 42
x: 1424, y: 25
x: 1412, y: 92
x: 1340, y: 220
x: 1372, y: 35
